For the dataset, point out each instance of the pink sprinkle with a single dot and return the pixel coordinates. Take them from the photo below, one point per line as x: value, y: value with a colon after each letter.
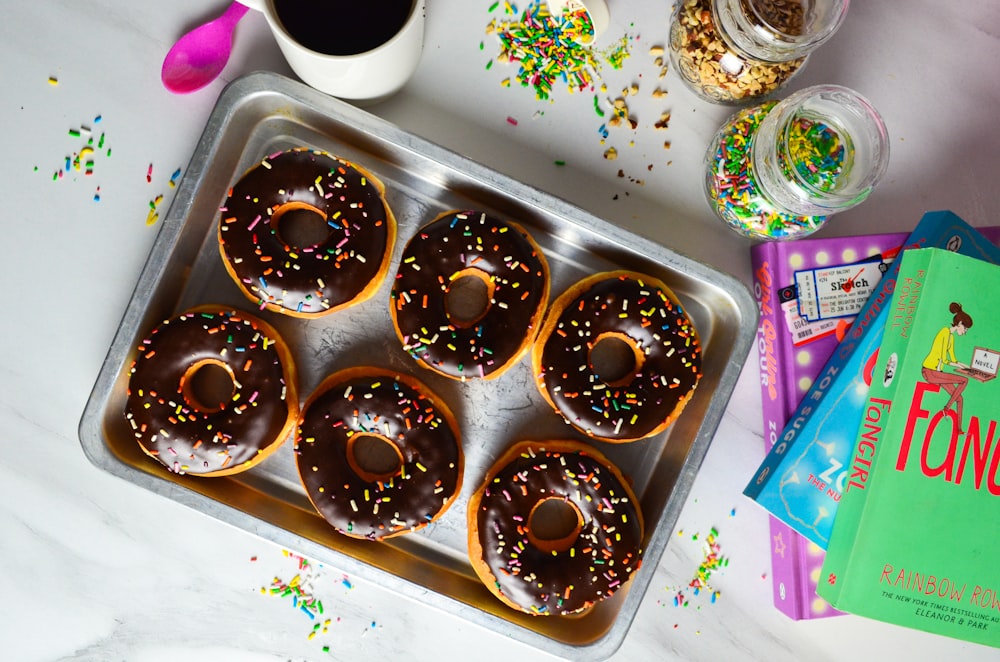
x: 253, y: 223
x: 511, y: 121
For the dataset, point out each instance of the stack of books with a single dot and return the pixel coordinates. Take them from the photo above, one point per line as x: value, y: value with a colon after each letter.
x: 901, y: 490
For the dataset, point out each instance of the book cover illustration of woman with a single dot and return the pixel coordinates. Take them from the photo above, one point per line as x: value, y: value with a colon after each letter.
x: 942, y: 353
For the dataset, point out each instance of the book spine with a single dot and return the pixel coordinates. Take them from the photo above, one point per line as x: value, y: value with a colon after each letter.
x: 825, y: 380
x: 793, y: 591
x: 773, y: 346
x: 877, y: 408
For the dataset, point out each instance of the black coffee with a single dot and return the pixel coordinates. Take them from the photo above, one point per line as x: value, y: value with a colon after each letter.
x: 342, y: 27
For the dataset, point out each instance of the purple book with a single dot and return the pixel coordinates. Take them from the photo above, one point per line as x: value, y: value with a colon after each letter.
x: 808, y: 292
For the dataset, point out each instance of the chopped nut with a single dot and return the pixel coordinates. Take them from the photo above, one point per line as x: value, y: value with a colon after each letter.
x: 715, y: 72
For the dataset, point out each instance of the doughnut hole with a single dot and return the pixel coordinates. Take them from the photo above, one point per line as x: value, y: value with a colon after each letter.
x: 373, y: 457
x: 208, y: 385
x: 300, y: 225
x: 554, y: 524
x: 468, y: 297
x: 615, y: 358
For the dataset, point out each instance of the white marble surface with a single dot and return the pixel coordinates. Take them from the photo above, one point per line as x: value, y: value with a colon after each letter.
x: 94, y: 568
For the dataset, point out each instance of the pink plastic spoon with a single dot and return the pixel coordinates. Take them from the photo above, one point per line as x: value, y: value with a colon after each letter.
x: 200, y: 56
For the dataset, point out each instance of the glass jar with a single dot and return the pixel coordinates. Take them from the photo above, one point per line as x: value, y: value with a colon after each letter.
x: 734, y: 51
x: 779, y: 170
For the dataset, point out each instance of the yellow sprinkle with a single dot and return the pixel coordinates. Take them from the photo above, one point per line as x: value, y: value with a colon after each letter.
x: 53, y: 81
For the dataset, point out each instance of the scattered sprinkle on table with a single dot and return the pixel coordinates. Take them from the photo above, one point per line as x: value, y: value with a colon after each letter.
x: 544, y: 47
x: 302, y: 592
x: 712, y: 561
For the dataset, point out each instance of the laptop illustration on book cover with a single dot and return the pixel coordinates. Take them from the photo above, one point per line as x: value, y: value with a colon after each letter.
x: 983, y: 366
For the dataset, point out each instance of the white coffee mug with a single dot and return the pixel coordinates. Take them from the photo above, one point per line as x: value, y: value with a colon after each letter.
x: 363, y: 77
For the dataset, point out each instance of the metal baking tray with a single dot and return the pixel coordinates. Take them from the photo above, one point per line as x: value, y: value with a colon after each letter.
x: 262, y: 113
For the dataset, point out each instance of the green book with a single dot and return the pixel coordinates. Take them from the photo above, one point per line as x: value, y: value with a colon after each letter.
x: 916, y: 539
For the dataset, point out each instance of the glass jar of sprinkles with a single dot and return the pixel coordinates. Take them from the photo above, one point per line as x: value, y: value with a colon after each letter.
x: 734, y: 51
x: 779, y: 170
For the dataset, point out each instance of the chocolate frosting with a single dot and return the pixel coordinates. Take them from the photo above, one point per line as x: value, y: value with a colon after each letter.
x: 648, y: 314
x: 398, y: 410
x: 445, y: 248
x: 599, y: 561
x: 306, y: 280
x: 186, y: 436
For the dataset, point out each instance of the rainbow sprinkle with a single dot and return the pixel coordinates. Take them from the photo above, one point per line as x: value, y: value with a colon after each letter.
x: 816, y: 154
x: 83, y: 159
x: 548, y: 50
x: 712, y: 561
x: 300, y: 593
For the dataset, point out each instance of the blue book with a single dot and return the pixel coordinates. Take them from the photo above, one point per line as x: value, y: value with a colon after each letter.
x: 803, y: 475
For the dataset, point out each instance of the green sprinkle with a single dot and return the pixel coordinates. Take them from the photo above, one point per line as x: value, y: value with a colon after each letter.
x: 597, y: 106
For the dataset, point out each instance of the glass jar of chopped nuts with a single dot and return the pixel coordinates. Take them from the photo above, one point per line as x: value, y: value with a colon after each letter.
x: 733, y: 51
x: 779, y: 170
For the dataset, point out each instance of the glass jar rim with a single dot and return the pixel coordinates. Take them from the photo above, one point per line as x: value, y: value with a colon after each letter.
x: 745, y: 26
x: 863, y: 125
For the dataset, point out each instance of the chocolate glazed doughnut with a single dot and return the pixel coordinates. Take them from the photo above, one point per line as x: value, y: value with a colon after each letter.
x: 177, y: 423
x: 455, y: 249
x: 559, y: 571
x: 339, y: 261
x: 363, y: 405
x: 631, y: 312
